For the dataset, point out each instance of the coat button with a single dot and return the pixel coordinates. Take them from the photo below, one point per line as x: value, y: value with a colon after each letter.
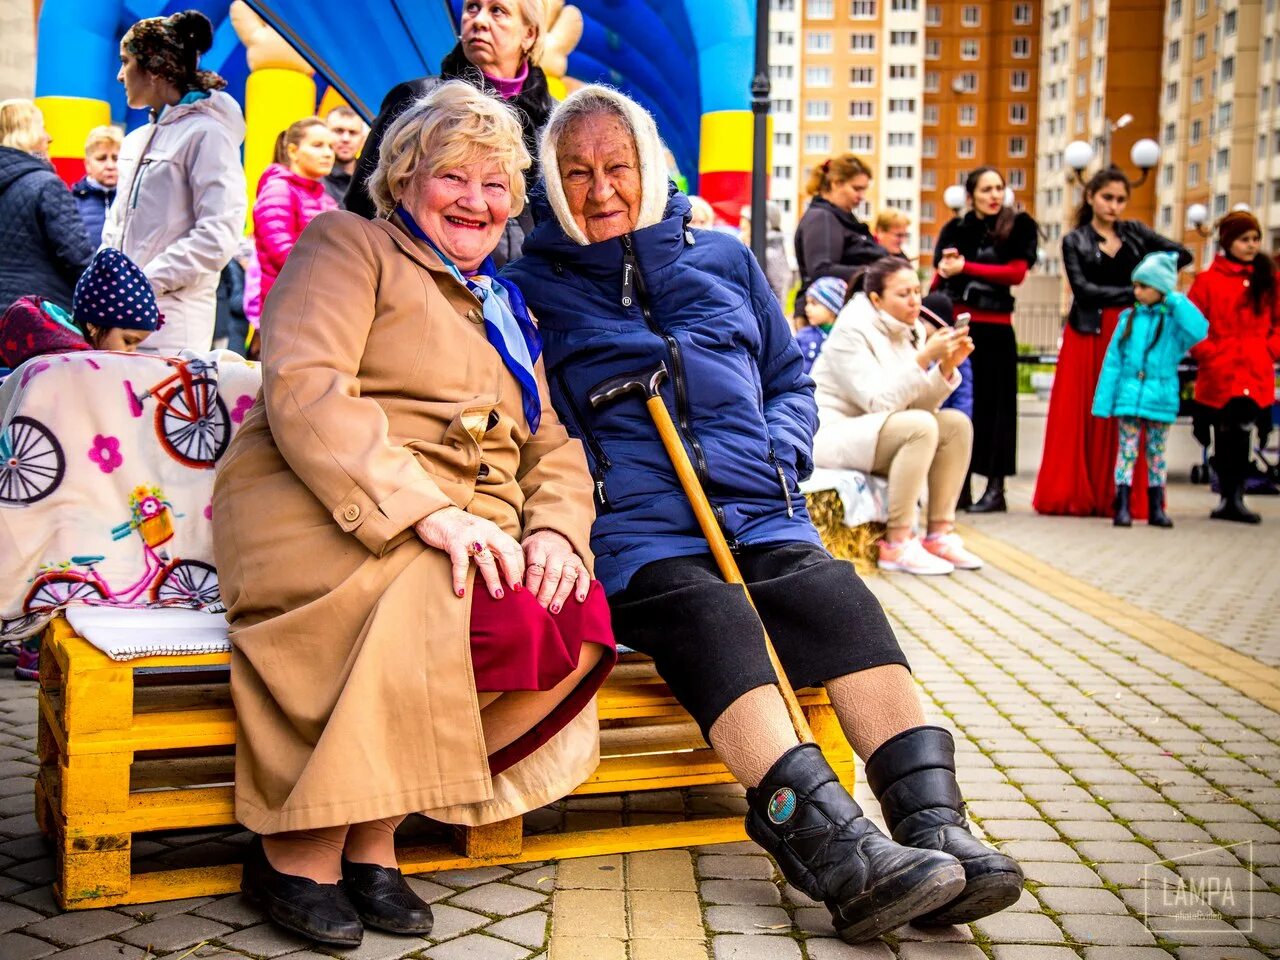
x: 351, y: 513
x: 482, y: 472
x: 493, y: 420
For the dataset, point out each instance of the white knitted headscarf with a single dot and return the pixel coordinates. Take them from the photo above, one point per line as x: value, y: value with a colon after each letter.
x: 588, y: 101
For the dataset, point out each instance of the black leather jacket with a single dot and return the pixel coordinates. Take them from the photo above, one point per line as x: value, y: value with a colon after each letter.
x: 1081, y: 259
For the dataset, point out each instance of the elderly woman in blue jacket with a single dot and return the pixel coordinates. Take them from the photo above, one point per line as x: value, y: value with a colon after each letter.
x: 1139, y: 380
x: 621, y: 283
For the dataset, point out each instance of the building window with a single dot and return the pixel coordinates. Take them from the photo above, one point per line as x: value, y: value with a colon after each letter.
x: 905, y: 6
x: 817, y: 143
x: 1197, y: 131
x: 782, y: 6
x: 932, y: 81
x: 1167, y: 174
x: 1020, y: 80
x: 967, y: 116
x: 1166, y: 217
x: 933, y: 49
x: 1174, y: 50
x: 782, y: 71
x: 1017, y: 146
x: 862, y: 42
x: 782, y: 172
x: 971, y: 16
x: 965, y: 148
x: 899, y: 172
x: 900, y: 138
x: 784, y: 203
x: 861, y: 142
x: 862, y: 109
x: 782, y: 106
x: 782, y: 138
x: 902, y: 105
x: 817, y: 110
x: 1017, y: 113
x: 1171, y: 92
x: 1224, y: 115
x: 929, y: 147
x: 930, y: 115
x: 1197, y: 89
x: 862, y: 76
x: 968, y: 82
x: 902, y: 71
x: 817, y: 41
x: 1220, y: 205
x: 927, y: 214
x: 933, y: 15
x: 1199, y: 46
x: 862, y: 9
x: 1223, y: 160
x: 968, y: 49
x: 820, y: 9
x: 1017, y: 178
x: 1022, y: 47
x: 817, y: 76
x: 1022, y: 14
x: 782, y: 38
x: 929, y: 180
x: 1227, y: 71
x: 903, y: 38
x: 926, y: 240
x: 1229, y: 23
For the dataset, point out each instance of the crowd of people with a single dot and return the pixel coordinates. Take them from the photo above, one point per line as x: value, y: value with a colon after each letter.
x: 429, y: 486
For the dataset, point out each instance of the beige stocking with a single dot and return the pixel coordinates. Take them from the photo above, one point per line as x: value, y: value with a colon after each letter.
x: 752, y: 733
x: 874, y: 705
x: 315, y: 854
x: 374, y: 841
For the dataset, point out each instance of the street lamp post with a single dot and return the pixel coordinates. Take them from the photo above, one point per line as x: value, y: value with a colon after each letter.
x: 1144, y: 155
x: 760, y: 132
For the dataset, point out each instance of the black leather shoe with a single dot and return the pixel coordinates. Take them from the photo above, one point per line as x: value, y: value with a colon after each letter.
x: 991, y: 501
x: 320, y: 911
x: 914, y: 777
x: 1156, y: 515
x: 823, y: 844
x: 384, y: 900
x: 1121, y: 514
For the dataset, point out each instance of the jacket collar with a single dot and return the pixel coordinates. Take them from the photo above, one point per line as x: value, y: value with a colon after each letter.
x: 847, y: 219
x: 895, y: 330
x: 417, y: 251
x: 1223, y: 264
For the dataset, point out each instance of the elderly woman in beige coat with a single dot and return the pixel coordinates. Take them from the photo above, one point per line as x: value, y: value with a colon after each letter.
x: 401, y: 535
x: 880, y: 382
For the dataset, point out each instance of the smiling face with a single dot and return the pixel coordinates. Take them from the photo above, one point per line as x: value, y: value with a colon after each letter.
x: 901, y: 296
x: 1246, y: 246
x: 464, y: 210
x: 988, y: 194
x: 313, y: 156
x: 600, y: 174
x: 1108, y: 202
x: 495, y: 37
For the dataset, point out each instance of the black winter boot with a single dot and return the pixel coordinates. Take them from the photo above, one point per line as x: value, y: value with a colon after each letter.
x: 1120, y: 514
x: 826, y: 847
x: 1232, y: 507
x: 1156, y: 517
x: 992, y: 499
x: 914, y: 777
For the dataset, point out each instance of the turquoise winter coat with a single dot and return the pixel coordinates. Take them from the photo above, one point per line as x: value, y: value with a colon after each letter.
x: 1140, y: 372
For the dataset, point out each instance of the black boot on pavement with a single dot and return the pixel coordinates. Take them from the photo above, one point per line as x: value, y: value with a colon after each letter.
x: 823, y: 844
x: 1121, y: 515
x: 1156, y: 516
x: 1232, y: 507
x: 992, y: 500
x: 914, y: 777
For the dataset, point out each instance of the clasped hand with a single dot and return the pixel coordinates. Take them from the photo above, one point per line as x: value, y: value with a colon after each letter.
x: 946, y: 347
x: 545, y: 564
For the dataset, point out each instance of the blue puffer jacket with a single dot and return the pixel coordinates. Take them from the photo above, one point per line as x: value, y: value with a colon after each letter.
x: 699, y: 303
x: 1139, y: 375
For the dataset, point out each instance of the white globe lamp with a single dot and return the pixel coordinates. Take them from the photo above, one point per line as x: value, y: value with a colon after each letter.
x: 953, y: 197
x: 1077, y: 155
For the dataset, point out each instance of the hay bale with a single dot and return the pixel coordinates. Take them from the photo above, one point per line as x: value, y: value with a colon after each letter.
x: 856, y: 544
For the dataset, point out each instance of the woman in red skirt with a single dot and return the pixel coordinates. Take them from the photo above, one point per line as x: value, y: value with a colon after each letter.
x: 1077, y: 471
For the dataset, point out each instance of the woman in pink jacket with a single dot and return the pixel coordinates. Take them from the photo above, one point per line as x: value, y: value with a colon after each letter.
x: 291, y: 193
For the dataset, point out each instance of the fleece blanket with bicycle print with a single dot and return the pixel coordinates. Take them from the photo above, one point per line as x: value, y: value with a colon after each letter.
x: 106, y: 480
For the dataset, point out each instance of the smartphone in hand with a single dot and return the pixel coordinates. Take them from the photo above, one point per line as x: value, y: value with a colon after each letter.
x: 961, y: 322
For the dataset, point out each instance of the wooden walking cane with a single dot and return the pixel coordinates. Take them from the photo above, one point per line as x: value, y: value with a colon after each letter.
x: 648, y: 383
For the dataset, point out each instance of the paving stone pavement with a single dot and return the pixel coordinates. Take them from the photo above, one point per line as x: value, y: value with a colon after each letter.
x: 1124, y: 780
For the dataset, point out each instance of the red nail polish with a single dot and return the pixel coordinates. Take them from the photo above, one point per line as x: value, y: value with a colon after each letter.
x: 555, y: 608
x: 462, y: 593
x: 517, y: 588
x: 497, y: 594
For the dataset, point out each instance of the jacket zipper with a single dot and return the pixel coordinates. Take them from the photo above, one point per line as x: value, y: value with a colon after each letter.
x: 773, y: 456
x: 134, y: 187
x: 633, y: 291
x: 599, y: 457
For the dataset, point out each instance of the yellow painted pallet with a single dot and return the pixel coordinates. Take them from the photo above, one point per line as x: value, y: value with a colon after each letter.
x: 147, y: 745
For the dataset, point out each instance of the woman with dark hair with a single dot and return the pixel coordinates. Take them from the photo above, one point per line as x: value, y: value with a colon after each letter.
x: 830, y: 240
x: 1076, y: 473
x: 981, y: 256
x: 1237, y: 378
x: 181, y: 204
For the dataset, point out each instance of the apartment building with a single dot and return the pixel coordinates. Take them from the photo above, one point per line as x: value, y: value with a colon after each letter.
x: 784, y: 107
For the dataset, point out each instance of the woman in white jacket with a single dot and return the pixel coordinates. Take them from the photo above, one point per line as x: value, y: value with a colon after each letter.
x: 179, y: 210
x: 881, y: 380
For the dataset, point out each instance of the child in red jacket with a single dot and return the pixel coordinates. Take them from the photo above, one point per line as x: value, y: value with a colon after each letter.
x: 1236, y: 379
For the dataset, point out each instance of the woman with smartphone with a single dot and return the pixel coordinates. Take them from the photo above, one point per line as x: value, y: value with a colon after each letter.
x: 1077, y: 476
x: 983, y: 255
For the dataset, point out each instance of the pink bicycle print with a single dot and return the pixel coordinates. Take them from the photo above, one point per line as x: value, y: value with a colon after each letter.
x: 189, y: 583
x: 191, y: 419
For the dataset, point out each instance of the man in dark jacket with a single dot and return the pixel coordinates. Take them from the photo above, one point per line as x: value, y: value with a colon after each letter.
x: 43, y: 246
x: 95, y: 191
x: 349, y: 133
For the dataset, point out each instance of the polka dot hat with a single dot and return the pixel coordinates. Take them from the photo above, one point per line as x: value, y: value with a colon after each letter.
x: 114, y: 292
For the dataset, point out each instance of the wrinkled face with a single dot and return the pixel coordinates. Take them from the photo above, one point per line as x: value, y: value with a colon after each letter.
x: 901, y: 296
x: 893, y: 239
x: 1108, y: 202
x: 600, y: 173
x: 115, y: 338
x: 988, y: 195
x: 348, y: 138
x: 139, y: 86
x: 495, y: 36
x: 1147, y: 295
x: 847, y: 194
x: 313, y: 156
x: 102, y: 164
x: 464, y: 210
x: 1246, y: 246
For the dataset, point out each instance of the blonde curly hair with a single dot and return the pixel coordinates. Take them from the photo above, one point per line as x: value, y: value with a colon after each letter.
x: 452, y: 126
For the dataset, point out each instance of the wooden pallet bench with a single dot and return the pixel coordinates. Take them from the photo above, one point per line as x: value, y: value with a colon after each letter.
x: 147, y: 745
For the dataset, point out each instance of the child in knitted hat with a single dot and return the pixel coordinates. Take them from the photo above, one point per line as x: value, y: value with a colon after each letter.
x: 822, y: 302
x: 1139, y: 379
x: 114, y: 308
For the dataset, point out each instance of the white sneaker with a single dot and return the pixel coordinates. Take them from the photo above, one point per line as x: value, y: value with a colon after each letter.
x: 951, y: 548
x: 910, y: 556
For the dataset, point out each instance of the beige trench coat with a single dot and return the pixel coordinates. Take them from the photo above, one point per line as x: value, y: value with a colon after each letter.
x: 382, y: 401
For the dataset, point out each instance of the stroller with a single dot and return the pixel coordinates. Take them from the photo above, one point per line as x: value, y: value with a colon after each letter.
x: 1264, y: 472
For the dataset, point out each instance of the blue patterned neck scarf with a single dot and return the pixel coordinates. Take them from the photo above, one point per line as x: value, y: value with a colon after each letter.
x: 506, y: 321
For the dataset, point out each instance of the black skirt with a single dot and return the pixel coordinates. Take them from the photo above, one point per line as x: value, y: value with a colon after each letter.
x: 707, y: 643
x: 995, y: 399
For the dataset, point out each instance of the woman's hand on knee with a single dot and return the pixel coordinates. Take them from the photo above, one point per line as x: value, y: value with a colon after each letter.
x: 466, y: 538
x: 553, y: 570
